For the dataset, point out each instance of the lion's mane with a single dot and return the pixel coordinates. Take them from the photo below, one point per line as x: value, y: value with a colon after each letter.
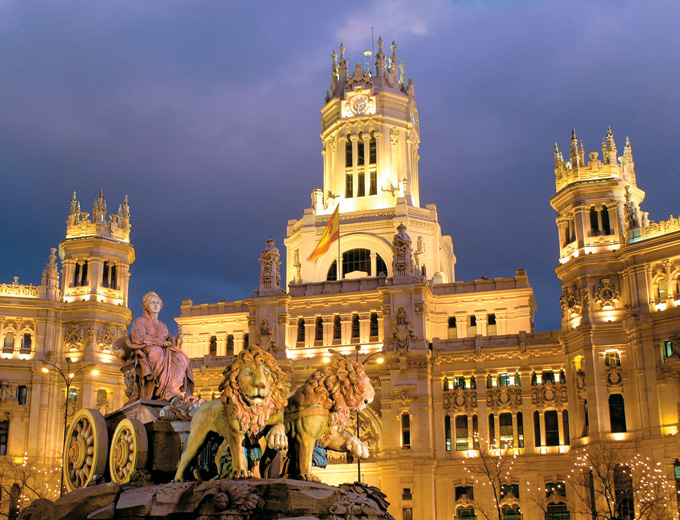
x: 251, y: 417
x: 339, y: 387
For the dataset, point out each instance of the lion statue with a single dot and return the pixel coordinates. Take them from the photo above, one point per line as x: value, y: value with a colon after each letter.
x: 318, y: 412
x: 253, y: 397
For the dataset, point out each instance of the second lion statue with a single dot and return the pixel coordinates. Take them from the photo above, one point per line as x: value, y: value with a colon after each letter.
x: 318, y: 412
x: 253, y: 397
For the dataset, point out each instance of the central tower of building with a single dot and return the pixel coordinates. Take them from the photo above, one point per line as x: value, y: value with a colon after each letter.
x: 370, y: 136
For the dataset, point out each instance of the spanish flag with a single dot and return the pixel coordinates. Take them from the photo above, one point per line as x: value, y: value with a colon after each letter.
x: 330, y: 235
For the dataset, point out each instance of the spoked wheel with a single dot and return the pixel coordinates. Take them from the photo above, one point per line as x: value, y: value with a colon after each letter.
x: 86, y: 449
x: 129, y: 449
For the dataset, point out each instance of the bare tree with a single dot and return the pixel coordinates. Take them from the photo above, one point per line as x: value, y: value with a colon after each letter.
x: 612, y: 483
x: 494, y: 469
x: 25, y: 479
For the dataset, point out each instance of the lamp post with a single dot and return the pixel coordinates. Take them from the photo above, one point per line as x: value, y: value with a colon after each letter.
x: 366, y: 359
x: 68, y: 378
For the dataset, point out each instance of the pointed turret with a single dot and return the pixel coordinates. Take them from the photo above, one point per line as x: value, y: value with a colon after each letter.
x: 380, y: 60
x: 342, y: 66
x: 50, y: 277
x: 99, y: 209
x: 574, y: 155
x: 610, y: 156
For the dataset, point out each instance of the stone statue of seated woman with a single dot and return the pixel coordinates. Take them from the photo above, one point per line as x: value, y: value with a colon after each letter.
x: 154, y: 364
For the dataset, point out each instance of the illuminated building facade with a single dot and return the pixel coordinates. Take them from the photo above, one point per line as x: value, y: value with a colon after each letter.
x: 463, y: 367
x: 78, y: 317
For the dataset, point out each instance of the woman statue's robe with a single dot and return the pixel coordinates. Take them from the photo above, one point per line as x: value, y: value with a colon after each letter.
x: 166, y: 369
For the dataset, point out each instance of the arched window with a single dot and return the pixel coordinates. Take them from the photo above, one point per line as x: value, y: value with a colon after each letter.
x: 105, y: 275
x: 83, y: 278
x: 9, y: 342
x: 26, y: 342
x: 380, y: 265
x: 301, y: 330
x: 617, y: 413
x: 22, y: 395
x: 604, y: 214
x: 594, y: 225
x: 357, y: 260
x: 511, y: 512
x: 76, y: 275
x: 662, y: 289
x: 114, y: 281
x: 318, y: 330
x: 548, y: 376
x: 466, y: 513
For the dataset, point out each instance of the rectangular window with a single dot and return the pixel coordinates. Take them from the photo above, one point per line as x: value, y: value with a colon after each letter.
x: 452, y: 330
x: 213, y: 346
x: 405, y: 431
x: 503, y: 380
x: 407, y: 513
x: 552, y: 429
x: 246, y: 340
x: 406, y: 494
x: 507, y: 436
x: 230, y: 344
x: 361, y: 184
x: 373, y: 181
x: 4, y: 431
x: 492, y: 430
x: 26, y: 342
x: 318, y: 331
x: 472, y: 326
x: 374, y: 326
x: 372, y: 154
x: 520, y: 430
x: 356, y: 328
x: 447, y: 432
x: 337, y: 329
x: 475, y: 432
x: 349, y: 185
x: 666, y: 351
x: 617, y: 413
x: 462, y: 433
x: 491, y: 325
x: 361, y: 155
x: 301, y: 330
x: 612, y: 358
x: 537, y: 429
x: 623, y: 488
x: 459, y: 382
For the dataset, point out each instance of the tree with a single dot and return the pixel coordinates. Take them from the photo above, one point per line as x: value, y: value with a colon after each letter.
x: 494, y: 469
x: 612, y: 483
x: 25, y: 479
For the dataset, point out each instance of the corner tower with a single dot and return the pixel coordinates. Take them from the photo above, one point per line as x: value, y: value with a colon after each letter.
x: 370, y: 136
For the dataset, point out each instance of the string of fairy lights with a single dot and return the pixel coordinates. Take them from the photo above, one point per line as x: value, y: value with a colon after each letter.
x: 35, y: 480
x: 617, y: 478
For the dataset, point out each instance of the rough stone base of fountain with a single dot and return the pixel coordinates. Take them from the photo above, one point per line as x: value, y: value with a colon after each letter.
x: 257, y: 499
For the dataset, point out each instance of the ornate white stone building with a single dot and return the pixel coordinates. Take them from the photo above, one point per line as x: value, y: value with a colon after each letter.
x: 463, y: 366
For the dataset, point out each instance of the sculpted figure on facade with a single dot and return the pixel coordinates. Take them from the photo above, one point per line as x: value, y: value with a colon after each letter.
x: 160, y: 369
x: 403, y: 334
x: 318, y: 412
x: 632, y: 211
x: 270, y: 275
x: 266, y: 337
x: 402, y: 263
x: 251, y: 406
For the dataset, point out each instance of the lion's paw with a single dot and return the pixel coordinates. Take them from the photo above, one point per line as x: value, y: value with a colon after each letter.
x: 241, y: 474
x: 310, y: 477
x: 357, y: 448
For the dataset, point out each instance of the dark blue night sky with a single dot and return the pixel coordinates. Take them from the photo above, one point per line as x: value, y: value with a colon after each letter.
x: 207, y: 115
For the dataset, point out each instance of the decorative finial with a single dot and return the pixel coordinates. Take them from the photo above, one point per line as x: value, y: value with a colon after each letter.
x: 380, y: 45
x: 335, y: 59
x: 342, y: 51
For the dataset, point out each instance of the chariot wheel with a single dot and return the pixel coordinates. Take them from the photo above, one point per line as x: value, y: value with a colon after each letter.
x: 86, y: 448
x: 129, y: 450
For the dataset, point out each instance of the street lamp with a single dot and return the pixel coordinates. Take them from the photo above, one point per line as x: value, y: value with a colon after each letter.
x: 68, y: 378
x: 379, y: 360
